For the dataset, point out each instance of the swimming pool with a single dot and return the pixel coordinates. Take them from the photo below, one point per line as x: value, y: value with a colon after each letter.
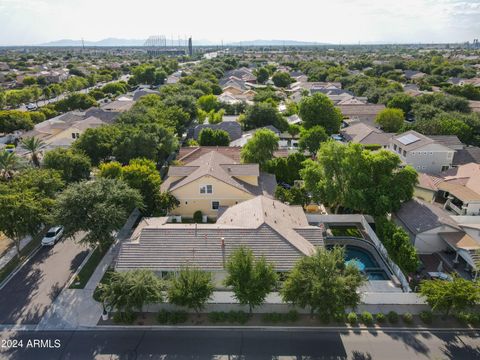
x: 365, y: 262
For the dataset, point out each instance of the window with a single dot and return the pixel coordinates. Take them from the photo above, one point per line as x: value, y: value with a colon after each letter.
x: 394, y: 146
x: 404, y: 153
x: 75, y: 135
x: 215, y: 205
x: 206, y: 189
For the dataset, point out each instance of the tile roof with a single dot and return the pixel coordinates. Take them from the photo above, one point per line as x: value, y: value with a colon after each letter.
x: 277, y: 231
x: 419, y: 216
x: 222, y: 168
x: 470, y: 154
x: 365, y: 134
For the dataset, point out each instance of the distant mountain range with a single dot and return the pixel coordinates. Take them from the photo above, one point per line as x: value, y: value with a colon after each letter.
x: 140, y: 42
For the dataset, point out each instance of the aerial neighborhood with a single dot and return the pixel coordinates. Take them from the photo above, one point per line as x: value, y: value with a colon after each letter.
x: 240, y: 185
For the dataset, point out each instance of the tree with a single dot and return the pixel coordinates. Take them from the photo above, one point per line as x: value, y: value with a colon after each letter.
x: 251, y: 279
x: 401, y: 101
x: 74, y: 166
x: 311, y: 139
x: 130, y: 290
x: 260, y: 148
x: 12, y: 120
x: 9, y: 163
x: 33, y: 145
x: 26, y: 203
x: 208, y: 103
x: 211, y: 137
x: 75, y: 101
x: 293, y: 196
x: 391, y: 120
x: 282, y: 79
x: 98, y: 143
x: 166, y: 202
x: 286, y: 169
x: 263, y: 114
x: 97, y: 207
x: 398, y: 244
x: 324, y: 283
x: 262, y: 75
x: 191, y: 288
x: 150, y: 141
x: 349, y: 176
x: 318, y: 109
x: 140, y: 174
x: 446, y: 296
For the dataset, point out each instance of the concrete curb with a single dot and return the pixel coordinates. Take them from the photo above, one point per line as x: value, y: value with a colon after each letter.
x: 236, y: 328
x: 19, y: 267
x: 72, y: 278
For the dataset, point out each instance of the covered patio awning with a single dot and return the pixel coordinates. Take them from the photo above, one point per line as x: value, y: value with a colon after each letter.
x: 460, y: 240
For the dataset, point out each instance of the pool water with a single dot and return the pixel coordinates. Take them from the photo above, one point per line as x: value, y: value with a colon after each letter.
x: 365, y: 262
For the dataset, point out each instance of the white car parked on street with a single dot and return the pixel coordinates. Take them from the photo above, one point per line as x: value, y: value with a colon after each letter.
x: 52, y: 236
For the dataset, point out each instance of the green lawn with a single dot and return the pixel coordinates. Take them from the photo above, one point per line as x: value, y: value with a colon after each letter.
x: 346, y: 231
x: 88, y: 269
x: 24, y: 254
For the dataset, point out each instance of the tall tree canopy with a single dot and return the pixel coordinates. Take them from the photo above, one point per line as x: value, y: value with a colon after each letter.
x: 74, y: 166
x: 324, y: 283
x: 369, y: 182
x: 251, y: 279
x: 260, y: 148
x: 391, y: 120
x: 318, y: 109
x: 97, y: 207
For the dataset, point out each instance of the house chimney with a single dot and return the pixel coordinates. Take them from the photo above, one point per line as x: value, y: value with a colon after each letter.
x: 223, y: 250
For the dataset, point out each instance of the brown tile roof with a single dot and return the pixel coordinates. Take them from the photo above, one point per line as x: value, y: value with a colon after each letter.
x: 222, y: 168
x: 360, y: 109
x: 188, y: 154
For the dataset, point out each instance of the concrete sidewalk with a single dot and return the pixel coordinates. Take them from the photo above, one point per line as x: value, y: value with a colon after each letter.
x: 12, y: 252
x: 75, y: 308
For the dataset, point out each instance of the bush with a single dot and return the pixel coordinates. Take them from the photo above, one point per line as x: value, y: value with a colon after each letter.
x: 340, y: 317
x: 352, y: 318
x: 232, y: 317
x: 291, y: 316
x: 171, y: 317
x: 367, y: 318
x: 407, y: 318
x: 392, y: 317
x: 197, y: 216
x: 475, y: 319
x: 463, y: 318
x: 124, y: 317
x: 426, y: 316
x: 380, y: 318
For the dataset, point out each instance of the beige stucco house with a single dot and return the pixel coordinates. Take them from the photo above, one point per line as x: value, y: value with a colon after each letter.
x: 213, y: 181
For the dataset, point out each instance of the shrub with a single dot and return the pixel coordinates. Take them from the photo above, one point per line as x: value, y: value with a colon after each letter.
x: 197, y: 216
x: 124, y: 317
x: 407, y: 318
x: 217, y: 316
x: 426, y: 316
x: 380, y: 318
x: 463, y: 318
x: 367, y: 318
x: 240, y: 317
x: 475, y: 319
x: 392, y: 317
x: 171, y: 317
x: 352, y: 318
x: 274, y: 317
x: 292, y: 316
x: 340, y: 317
x: 232, y: 316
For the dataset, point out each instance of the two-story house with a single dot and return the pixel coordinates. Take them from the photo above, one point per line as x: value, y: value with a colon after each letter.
x: 213, y: 181
x: 422, y: 152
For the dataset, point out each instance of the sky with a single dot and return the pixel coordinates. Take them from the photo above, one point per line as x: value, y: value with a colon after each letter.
x: 31, y: 22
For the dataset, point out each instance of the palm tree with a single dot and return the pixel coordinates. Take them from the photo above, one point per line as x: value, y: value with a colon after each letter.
x: 9, y: 162
x: 33, y: 145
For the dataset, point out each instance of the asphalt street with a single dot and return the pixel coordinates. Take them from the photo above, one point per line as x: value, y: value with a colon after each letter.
x: 28, y: 294
x: 239, y: 344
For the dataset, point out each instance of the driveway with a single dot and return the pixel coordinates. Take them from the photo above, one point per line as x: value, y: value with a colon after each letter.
x: 31, y: 291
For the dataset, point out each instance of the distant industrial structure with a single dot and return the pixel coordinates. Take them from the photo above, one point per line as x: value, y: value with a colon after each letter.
x: 157, y: 45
